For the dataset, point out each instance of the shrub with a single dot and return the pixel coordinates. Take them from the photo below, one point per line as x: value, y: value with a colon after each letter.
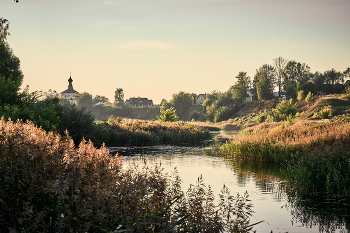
x: 309, y: 97
x: 168, y: 115
x: 301, y: 95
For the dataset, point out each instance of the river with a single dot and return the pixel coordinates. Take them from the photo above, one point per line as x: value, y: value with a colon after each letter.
x: 281, y: 209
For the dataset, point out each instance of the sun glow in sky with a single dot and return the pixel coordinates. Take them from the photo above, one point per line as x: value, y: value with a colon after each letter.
x: 156, y: 48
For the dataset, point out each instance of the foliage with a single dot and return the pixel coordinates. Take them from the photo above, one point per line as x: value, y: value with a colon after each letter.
x: 219, y: 106
x: 332, y: 76
x: 325, y: 112
x: 301, y: 95
x: 83, y: 100
x: 4, y: 27
x: 99, y: 98
x: 10, y: 64
x: 131, y: 132
x: 284, y: 110
x: 319, y: 150
x: 181, y: 102
x: 48, y: 185
x: 264, y: 82
x: 118, y: 97
x: 168, y: 115
x: 295, y: 72
x: 309, y: 97
x: 279, y: 65
x: 240, y: 89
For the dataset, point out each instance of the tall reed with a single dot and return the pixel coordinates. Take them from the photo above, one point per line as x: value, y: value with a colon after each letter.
x: 316, y: 154
x: 49, y: 185
x: 132, y: 132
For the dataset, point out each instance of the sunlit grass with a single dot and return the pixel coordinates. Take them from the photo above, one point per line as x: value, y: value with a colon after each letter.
x: 47, y: 184
x: 133, y: 132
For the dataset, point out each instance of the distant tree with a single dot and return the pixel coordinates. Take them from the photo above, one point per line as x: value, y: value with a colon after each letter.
x: 264, y: 80
x: 346, y: 73
x: 240, y: 89
x: 181, y: 102
x: 295, y: 72
x: 306, y: 87
x: 118, y: 97
x: 164, y: 104
x: 100, y: 98
x: 83, y: 100
x: 279, y: 64
x: 332, y: 77
x: 318, y: 79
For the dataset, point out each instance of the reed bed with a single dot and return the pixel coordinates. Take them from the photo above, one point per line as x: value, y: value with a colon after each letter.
x: 132, y: 132
x: 47, y: 184
x: 315, y: 154
x: 280, y: 143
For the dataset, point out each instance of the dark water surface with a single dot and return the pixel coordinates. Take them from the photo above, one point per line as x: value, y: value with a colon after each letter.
x: 280, y: 207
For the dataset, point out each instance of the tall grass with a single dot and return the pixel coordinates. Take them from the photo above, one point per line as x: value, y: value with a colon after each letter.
x: 49, y: 185
x: 316, y: 154
x: 132, y: 132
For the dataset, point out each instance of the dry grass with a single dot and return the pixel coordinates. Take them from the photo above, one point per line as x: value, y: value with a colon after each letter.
x: 49, y: 185
x: 277, y: 142
x: 127, y: 132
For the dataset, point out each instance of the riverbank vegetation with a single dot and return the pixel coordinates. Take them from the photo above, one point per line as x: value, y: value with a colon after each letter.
x: 315, y: 154
x: 131, y: 132
x: 49, y: 185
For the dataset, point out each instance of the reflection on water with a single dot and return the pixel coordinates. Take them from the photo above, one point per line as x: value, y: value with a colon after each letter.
x: 281, y: 207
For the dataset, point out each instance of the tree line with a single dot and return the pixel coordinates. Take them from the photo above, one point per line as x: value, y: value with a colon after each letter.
x: 289, y: 78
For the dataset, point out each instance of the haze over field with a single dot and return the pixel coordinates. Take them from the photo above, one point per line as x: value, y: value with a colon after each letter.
x: 155, y: 48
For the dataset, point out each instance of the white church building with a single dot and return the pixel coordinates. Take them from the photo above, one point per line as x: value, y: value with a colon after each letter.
x: 68, y: 94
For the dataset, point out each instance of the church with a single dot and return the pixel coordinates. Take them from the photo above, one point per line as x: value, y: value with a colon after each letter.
x: 68, y: 94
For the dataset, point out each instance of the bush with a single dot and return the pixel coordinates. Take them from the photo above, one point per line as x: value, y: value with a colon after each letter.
x: 309, y: 97
x: 301, y: 95
x: 168, y: 115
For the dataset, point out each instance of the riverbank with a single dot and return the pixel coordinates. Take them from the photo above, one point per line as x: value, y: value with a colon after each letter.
x: 315, y: 153
x: 131, y: 132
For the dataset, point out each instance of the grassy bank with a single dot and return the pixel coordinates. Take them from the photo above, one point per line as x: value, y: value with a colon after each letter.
x: 315, y: 154
x: 49, y: 185
x: 132, y: 132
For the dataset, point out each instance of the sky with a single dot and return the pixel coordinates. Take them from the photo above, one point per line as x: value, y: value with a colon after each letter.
x: 156, y: 48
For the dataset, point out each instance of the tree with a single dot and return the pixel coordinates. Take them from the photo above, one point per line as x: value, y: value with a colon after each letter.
x: 346, y: 73
x: 83, y: 100
x: 118, y: 97
x: 240, y: 89
x: 332, y: 77
x: 295, y: 72
x: 4, y: 26
x: 279, y: 65
x: 100, y: 98
x: 168, y: 115
x: 181, y: 102
x: 264, y: 80
x: 9, y: 63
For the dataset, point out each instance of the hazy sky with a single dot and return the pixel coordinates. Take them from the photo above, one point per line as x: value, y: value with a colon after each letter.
x: 155, y: 48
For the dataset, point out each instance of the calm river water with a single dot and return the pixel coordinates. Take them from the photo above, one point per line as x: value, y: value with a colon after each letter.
x: 274, y: 203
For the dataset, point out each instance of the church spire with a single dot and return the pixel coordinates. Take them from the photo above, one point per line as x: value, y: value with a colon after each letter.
x: 70, y: 80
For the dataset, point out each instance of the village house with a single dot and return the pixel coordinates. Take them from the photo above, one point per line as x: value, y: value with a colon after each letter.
x: 69, y: 93
x: 140, y: 102
x: 200, y: 98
